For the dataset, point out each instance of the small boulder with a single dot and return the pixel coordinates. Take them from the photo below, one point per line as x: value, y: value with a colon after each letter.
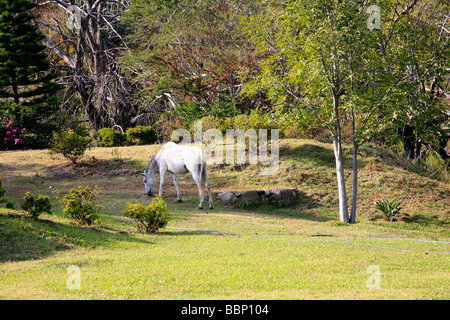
x: 251, y: 195
x: 227, y: 197
x: 286, y: 197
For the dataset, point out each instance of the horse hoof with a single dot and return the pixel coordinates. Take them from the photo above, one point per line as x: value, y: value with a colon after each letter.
x: 199, y: 207
x: 179, y: 200
x: 211, y: 207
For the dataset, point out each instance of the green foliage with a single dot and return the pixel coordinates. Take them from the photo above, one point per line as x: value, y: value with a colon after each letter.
x: 150, y: 218
x: 111, y: 138
x: 244, y: 203
x: 25, y: 77
x: 80, y: 205
x: 9, y: 203
x: 201, y: 71
x: 141, y: 135
x: 36, y: 206
x: 389, y: 209
x: 70, y: 144
x: 2, y: 190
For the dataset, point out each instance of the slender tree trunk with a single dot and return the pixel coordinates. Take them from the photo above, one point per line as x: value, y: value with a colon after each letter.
x: 355, y: 181
x: 343, y: 206
x: 16, y: 93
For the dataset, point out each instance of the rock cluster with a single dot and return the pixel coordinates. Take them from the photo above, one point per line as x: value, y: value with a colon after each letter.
x: 284, y: 197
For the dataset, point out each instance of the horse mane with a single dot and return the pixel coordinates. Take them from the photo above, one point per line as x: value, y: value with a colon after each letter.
x: 152, y: 162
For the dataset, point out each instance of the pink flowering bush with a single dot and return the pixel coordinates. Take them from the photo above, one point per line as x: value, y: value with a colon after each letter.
x: 10, y: 136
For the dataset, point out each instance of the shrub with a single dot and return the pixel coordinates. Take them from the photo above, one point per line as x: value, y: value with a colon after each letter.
x: 111, y: 138
x: 36, y: 206
x: 80, y: 205
x: 11, y: 137
x: 141, y: 135
x: 70, y: 144
x: 390, y: 209
x: 2, y: 191
x: 9, y: 203
x: 211, y: 122
x: 245, y: 203
x: 150, y: 218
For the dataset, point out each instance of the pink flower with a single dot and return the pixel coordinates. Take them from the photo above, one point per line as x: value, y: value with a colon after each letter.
x: 17, y: 141
x: 9, y: 123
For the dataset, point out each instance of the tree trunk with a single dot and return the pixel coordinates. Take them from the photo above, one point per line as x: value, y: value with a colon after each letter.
x: 93, y: 66
x: 355, y: 181
x: 343, y: 206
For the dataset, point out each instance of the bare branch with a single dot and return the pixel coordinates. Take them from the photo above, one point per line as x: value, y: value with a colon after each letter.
x: 61, y: 53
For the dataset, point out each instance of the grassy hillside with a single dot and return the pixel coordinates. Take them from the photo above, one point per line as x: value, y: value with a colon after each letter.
x: 263, y: 253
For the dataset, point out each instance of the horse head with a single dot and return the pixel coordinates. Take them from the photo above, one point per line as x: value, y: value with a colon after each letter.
x: 149, y: 183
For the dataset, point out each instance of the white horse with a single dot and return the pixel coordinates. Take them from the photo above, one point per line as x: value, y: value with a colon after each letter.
x: 178, y: 159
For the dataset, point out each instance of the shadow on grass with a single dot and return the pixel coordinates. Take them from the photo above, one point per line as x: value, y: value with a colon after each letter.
x: 26, y: 239
x: 182, y: 232
x: 312, y: 153
x: 66, y: 171
x: 320, y: 156
x: 425, y: 220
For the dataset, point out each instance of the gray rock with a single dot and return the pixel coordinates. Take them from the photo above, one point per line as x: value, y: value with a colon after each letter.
x: 251, y: 195
x: 227, y: 196
x: 286, y: 197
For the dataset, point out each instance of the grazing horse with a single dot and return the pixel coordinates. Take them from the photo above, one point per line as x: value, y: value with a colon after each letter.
x: 178, y: 159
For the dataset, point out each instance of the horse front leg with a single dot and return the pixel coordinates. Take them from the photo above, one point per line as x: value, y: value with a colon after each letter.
x: 175, y: 182
x: 162, y: 174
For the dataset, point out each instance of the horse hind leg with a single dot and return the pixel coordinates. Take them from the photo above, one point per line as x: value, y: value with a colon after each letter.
x: 197, y: 175
x: 175, y: 182
x: 201, y: 192
x: 208, y: 186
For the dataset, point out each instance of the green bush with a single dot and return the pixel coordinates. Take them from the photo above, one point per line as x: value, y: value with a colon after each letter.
x: 9, y: 203
x: 245, y: 203
x: 36, y: 206
x: 70, y: 144
x: 2, y: 191
x: 141, y: 135
x: 150, y: 218
x: 80, y: 205
x: 390, y: 209
x: 111, y: 138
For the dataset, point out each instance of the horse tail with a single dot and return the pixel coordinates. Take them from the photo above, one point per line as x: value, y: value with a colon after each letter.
x: 202, y: 169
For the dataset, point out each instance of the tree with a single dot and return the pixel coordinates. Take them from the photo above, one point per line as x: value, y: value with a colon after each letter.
x: 422, y: 42
x: 25, y: 77
x: 331, y: 59
x: 318, y: 53
x: 85, y: 39
x: 188, y: 55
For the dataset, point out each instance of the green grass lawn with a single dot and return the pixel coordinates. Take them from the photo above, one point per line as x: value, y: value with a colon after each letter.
x: 263, y: 253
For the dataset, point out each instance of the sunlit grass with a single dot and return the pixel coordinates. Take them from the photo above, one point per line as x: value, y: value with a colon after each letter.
x: 263, y: 253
